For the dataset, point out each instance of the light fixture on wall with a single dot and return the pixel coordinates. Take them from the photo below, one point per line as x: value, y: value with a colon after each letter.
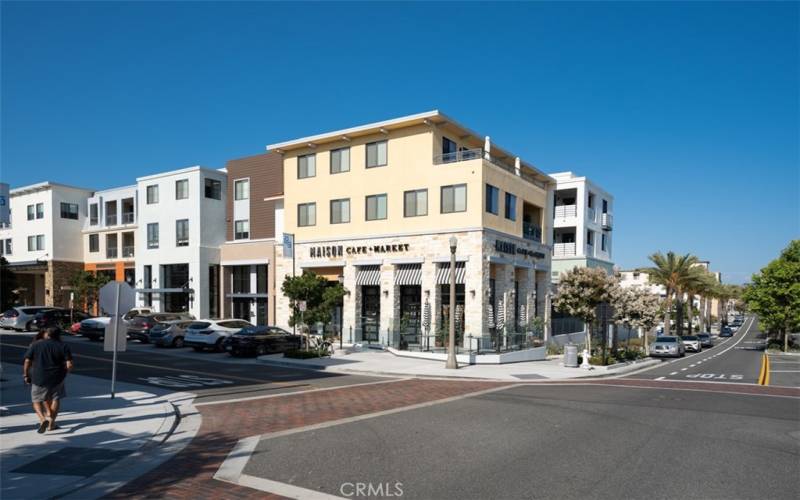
x: 472, y: 292
x: 386, y: 293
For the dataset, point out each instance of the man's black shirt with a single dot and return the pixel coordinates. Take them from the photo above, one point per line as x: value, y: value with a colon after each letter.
x: 49, y: 359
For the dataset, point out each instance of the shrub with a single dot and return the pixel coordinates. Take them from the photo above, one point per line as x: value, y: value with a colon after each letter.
x: 301, y: 354
x: 597, y: 359
x: 553, y: 348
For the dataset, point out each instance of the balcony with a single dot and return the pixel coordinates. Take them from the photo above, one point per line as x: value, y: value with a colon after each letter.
x: 607, y: 221
x: 111, y: 219
x: 564, y: 250
x: 475, y: 154
x: 111, y: 253
x: 128, y: 217
x: 531, y: 232
x: 566, y: 211
x: 128, y: 251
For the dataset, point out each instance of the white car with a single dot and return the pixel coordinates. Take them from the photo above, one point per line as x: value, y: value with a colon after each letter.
x: 209, y: 333
x: 21, y: 318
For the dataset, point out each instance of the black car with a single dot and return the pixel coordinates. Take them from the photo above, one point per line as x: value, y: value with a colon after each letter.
x: 140, y: 326
x: 726, y: 331
x: 260, y: 340
x: 59, y: 317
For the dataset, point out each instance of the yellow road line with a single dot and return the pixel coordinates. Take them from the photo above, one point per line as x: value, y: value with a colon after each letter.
x: 766, y: 377
x: 183, y: 370
x: 763, y: 376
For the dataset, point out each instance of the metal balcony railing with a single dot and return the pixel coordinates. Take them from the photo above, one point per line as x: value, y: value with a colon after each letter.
x: 564, y: 250
x: 565, y: 211
x: 531, y: 232
x: 607, y: 221
x: 128, y: 217
x: 128, y: 251
x: 474, y: 154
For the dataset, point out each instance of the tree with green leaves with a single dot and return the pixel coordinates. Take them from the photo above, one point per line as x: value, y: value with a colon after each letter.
x: 774, y: 294
x: 8, y: 286
x: 677, y: 274
x: 86, y: 286
x: 320, y: 296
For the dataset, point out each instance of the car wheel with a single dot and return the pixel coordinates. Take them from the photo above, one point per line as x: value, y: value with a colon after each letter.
x: 261, y: 350
x: 178, y: 342
x: 28, y: 326
x: 197, y: 348
x: 218, y: 346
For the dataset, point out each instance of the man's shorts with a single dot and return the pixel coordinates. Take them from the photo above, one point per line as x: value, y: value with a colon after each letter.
x: 41, y: 393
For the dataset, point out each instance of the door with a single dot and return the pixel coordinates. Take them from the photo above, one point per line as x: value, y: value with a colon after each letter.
x: 241, y: 308
x: 410, y: 312
x: 370, y: 312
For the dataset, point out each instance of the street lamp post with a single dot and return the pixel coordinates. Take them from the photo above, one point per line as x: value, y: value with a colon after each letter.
x: 451, y: 344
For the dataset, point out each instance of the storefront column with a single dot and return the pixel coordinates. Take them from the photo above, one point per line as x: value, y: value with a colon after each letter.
x: 430, y: 301
x: 388, y: 319
x: 474, y: 300
x: 351, y: 306
x: 504, y: 289
x: 523, y: 276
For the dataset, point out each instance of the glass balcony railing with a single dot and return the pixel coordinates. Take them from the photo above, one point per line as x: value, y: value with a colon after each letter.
x: 531, y: 232
x: 111, y: 253
x: 474, y: 154
x: 111, y: 220
x: 128, y: 217
x: 128, y: 251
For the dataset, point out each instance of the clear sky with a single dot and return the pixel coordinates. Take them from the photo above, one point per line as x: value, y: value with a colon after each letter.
x: 686, y: 112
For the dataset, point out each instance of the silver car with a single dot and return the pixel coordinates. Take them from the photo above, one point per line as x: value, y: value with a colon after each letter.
x: 705, y: 339
x: 169, y: 333
x: 668, y: 346
x: 21, y: 318
x: 692, y: 343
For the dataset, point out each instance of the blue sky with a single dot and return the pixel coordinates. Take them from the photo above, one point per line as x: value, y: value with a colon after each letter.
x: 686, y: 112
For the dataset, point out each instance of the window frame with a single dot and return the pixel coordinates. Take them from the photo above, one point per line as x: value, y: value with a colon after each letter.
x: 301, y: 206
x: 306, y: 156
x: 40, y: 210
x: 385, y: 196
x: 339, y: 150
x: 154, y: 199
x: 31, y: 211
x: 377, y: 156
x: 496, y: 190
x: 9, y: 247
x: 416, y: 193
x: 153, y: 243
x: 237, y: 235
x: 38, y: 243
x: 238, y: 182
x: 69, y: 207
x: 603, y: 242
x: 216, y: 188
x: 339, y: 201
x: 94, y: 220
x: 510, y: 206
x: 180, y: 182
x: 96, y: 246
x: 178, y: 241
x: 441, y: 198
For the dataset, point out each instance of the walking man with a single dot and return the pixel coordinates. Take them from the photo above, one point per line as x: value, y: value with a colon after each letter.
x: 49, y: 361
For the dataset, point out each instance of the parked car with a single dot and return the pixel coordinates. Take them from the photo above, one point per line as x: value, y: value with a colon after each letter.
x: 705, y: 339
x: 169, y: 333
x: 692, y: 343
x: 62, y: 318
x: 725, y: 331
x: 136, y: 311
x: 21, y: 318
x: 668, y: 346
x: 209, y: 333
x: 94, y: 328
x: 139, y: 327
x: 260, y: 340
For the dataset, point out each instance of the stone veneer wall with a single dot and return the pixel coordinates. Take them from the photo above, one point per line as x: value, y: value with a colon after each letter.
x: 59, y: 274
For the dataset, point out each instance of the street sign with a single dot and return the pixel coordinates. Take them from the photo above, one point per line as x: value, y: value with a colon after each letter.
x: 116, y: 299
x: 302, y: 306
x: 288, y: 245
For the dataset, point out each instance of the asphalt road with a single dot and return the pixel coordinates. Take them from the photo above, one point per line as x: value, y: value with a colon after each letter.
x: 212, y: 376
x: 538, y: 441
x: 733, y: 359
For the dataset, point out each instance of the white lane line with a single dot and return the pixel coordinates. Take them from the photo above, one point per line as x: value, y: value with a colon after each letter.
x: 684, y: 369
x: 674, y: 373
x: 786, y: 362
x: 660, y: 378
x: 692, y: 365
x: 784, y: 371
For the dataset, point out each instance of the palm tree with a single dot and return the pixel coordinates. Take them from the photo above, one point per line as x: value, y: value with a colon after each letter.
x: 704, y: 287
x: 675, y: 273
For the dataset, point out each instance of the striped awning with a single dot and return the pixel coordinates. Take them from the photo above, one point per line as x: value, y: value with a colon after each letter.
x: 443, y: 273
x: 408, y: 274
x: 368, y: 275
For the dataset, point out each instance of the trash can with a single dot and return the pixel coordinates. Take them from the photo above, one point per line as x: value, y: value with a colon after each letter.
x: 571, y: 356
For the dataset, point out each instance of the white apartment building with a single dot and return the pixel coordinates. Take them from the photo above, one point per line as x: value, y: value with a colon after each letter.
x: 109, y: 234
x: 582, y: 224
x: 42, y: 243
x: 181, y: 226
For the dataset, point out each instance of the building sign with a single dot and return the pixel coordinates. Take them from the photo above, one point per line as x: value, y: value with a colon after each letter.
x: 341, y: 250
x: 513, y: 249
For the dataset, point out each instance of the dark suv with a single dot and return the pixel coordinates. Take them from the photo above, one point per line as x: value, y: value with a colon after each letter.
x: 140, y: 326
x: 62, y: 318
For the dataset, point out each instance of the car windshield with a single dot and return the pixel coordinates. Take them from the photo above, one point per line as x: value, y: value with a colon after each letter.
x: 199, y: 325
x: 690, y: 337
x: 32, y: 310
x: 252, y: 330
x: 666, y: 340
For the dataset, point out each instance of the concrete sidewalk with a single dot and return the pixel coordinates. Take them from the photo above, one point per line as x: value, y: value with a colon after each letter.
x: 102, y: 443
x: 379, y: 362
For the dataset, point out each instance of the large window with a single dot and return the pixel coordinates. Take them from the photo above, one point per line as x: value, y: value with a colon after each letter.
x: 376, y: 207
x: 454, y: 198
x: 241, y: 189
x: 605, y: 206
x: 590, y: 237
x: 152, y: 194
x: 213, y: 189
x: 340, y: 211
x: 152, y: 235
x: 306, y: 166
x: 94, y: 215
x: 307, y: 214
x: 340, y: 160
x: 213, y: 291
x: 377, y: 154
x: 94, y: 243
x: 69, y: 210
x: 182, y: 233
x: 36, y: 243
x: 8, y: 246
x: 492, y: 199
x: 241, y: 229
x: 240, y: 279
x: 448, y: 146
x: 511, y: 207
x: 31, y: 212
x: 415, y: 203
x: 112, y: 246
x: 148, y: 284
x: 40, y: 210
x: 603, y: 242
x: 182, y: 189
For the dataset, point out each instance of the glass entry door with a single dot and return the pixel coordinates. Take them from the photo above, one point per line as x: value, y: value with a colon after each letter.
x: 241, y: 309
x: 410, y: 312
x: 370, y: 312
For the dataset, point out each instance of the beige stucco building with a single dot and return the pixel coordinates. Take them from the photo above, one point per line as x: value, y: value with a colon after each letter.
x: 375, y: 206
